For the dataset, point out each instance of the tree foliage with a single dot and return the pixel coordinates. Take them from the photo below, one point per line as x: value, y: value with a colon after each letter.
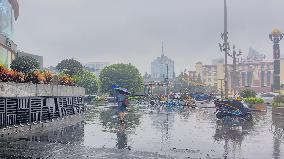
x: 248, y: 93
x: 88, y: 80
x: 25, y: 64
x: 183, y: 83
x: 70, y: 66
x: 122, y: 75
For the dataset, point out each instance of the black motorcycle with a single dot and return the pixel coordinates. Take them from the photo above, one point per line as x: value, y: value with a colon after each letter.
x: 232, y: 109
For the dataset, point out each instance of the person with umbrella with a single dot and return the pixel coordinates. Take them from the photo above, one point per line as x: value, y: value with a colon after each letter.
x: 123, y: 103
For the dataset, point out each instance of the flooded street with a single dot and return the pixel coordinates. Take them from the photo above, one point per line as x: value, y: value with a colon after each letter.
x: 152, y: 133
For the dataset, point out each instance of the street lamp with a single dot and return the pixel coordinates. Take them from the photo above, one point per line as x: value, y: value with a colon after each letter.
x: 276, y: 36
x: 225, y: 47
x: 222, y: 94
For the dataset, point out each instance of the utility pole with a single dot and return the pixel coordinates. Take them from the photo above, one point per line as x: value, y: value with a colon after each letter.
x: 167, y: 80
x: 163, y: 48
x: 225, y: 47
x: 222, y: 94
x: 235, y: 75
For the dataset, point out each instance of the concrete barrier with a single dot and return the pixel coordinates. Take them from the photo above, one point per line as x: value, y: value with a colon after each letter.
x: 8, y: 89
x: 278, y: 110
x: 23, y: 129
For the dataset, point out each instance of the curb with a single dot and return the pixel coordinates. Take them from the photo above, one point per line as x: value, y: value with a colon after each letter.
x: 22, y: 129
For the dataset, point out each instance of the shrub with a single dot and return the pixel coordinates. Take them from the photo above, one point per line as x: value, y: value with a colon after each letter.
x: 18, y: 77
x: 88, y: 80
x: 252, y: 101
x: 248, y: 93
x: 25, y: 64
x: 36, y: 77
x: 48, y: 77
x: 66, y: 80
x: 70, y: 67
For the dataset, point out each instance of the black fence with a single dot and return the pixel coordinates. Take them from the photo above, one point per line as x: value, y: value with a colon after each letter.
x: 15, y: 111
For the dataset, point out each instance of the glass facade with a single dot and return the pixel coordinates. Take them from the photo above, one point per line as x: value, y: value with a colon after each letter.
x: 7, y: 18
x: 6, y: 29
x: 159, y: 68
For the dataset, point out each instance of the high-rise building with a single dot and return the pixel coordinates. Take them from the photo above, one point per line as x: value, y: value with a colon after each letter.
x: 9, y: 12
x: 96, y: 67
x: 162, y: 67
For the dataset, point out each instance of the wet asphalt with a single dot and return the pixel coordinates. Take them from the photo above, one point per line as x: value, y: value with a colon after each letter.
x: 163, y: 132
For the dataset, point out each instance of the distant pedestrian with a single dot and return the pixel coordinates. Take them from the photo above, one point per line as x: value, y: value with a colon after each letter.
x: 123, y: 103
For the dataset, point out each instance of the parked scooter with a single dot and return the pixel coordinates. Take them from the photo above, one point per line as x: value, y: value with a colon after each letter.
x: 233, y: 109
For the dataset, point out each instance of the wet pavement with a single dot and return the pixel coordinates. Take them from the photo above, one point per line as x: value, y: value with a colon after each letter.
x: 154, y: 133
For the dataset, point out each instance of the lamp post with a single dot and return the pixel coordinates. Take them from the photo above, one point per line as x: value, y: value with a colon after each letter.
x: 225, y: 47
x: 276, y: 36
x: 222, y: 94
x: 167, y: 79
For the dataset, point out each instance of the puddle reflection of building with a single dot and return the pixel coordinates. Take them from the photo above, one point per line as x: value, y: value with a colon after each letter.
x: 277, y: 128
x: 163, y: 121
x: 233, y: 137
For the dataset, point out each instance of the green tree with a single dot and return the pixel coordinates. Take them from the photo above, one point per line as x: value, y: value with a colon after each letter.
x: 88, y: 80
x: 183, y: 83
x: 70, y: 66
x: 122, y: 75
x: 248, y: 93
x: 25, y: 64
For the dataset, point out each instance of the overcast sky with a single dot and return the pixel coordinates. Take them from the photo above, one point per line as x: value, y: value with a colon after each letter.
x: 132, y: 30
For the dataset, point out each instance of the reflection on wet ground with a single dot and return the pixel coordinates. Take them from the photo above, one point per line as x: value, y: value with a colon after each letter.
x: 154, y: 133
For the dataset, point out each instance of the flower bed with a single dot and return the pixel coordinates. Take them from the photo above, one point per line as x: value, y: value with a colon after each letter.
x: 35, y: 77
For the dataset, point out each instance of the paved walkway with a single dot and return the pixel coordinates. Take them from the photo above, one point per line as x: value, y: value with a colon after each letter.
x: 153, y: 133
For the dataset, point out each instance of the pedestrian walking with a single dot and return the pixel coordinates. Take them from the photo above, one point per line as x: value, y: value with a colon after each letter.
x: 123, y: 103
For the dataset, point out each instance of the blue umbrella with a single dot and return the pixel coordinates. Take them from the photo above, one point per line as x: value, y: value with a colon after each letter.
x: 122, y: 90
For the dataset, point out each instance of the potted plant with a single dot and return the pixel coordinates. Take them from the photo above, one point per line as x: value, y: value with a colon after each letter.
x: 256, y: 104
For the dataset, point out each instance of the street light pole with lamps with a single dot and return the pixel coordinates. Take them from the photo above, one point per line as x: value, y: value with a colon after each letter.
x: 225, y: 47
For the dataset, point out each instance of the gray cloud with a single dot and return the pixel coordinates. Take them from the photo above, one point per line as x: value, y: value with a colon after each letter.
x: 132, y: 30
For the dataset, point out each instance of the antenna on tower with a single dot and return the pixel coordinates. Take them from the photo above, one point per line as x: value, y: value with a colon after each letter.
x: 163, y: 48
